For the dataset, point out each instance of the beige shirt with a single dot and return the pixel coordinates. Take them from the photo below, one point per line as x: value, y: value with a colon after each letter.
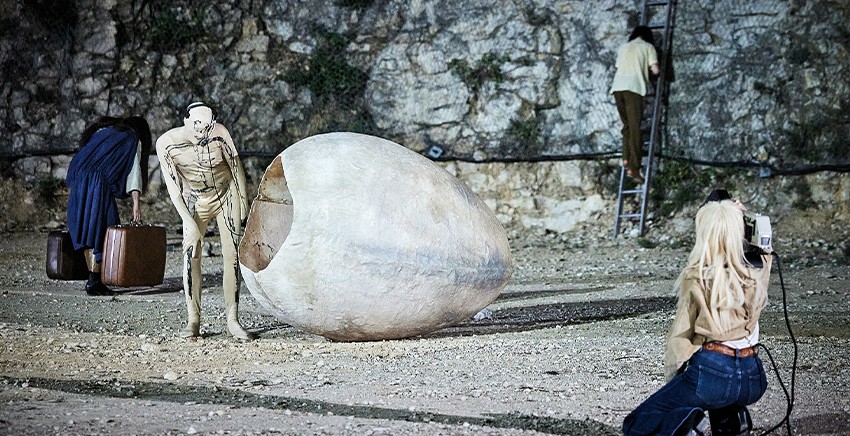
x: 693, y: 324
x: 633, y: 61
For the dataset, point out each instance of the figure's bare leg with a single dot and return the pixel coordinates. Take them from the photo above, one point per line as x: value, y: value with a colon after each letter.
x: 229, y: 228
x: 192, y: 289
x: 94, y: 285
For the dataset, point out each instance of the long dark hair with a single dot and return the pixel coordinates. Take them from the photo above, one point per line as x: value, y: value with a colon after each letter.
x: 135, y: 123
x: 644, y: 33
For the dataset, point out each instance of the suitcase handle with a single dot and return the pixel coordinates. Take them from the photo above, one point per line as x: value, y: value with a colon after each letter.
x: 131, y: 224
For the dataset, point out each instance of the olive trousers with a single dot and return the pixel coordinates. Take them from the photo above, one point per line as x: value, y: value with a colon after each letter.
x: 630, y: 108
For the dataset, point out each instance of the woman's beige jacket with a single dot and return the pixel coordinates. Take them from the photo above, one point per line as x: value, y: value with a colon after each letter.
x: 693, y: 324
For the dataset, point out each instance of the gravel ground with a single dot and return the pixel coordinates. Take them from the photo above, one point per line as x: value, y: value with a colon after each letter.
x: 574, y: 343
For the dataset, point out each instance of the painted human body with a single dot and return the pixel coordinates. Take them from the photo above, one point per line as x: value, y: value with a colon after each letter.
x: 205, y: 180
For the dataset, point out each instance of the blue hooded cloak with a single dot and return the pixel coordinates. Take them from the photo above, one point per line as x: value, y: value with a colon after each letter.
x: 97, y: 176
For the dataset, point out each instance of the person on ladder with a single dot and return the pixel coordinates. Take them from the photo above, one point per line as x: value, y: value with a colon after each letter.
x: 634, y: 60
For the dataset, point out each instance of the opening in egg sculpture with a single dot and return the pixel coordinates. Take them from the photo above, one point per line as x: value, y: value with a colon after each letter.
x: 355, y: 237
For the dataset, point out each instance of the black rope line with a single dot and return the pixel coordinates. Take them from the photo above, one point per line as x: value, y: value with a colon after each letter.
x: 791, y: 170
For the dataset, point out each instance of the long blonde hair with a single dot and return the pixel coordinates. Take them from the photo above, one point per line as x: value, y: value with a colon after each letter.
x: 718, y: 260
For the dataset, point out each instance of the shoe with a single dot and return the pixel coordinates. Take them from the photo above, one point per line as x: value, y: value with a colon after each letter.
x: 731, y: 423
x: 99, y: 290
x: 95, y: 287
x: 692, y: 425
x: 637, y: 177
x: 701, y: 427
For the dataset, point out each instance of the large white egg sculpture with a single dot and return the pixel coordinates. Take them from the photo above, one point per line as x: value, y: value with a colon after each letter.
x: 356, y: 238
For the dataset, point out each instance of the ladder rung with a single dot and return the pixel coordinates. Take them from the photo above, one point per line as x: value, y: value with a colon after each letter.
x: 633, y: 191
x: 629, y: 215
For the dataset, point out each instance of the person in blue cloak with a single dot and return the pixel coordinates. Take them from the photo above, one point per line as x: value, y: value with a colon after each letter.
x: 112, y: 163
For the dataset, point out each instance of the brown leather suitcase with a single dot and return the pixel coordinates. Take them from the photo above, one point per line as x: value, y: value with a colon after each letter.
x: 133, y: 255
x: 63, y: 262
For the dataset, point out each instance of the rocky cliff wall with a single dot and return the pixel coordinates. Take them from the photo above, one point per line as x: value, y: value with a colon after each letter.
x: 485, y: 80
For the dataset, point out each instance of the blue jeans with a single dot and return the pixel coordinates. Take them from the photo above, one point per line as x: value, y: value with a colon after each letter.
x: 711, y: 381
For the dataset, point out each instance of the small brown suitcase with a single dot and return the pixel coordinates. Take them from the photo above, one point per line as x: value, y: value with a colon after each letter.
x: 133, y: 255
x: 63, y: 262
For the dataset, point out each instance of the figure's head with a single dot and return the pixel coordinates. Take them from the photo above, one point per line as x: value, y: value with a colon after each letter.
x: 142, y: 129
x: 720, y: 230
x: 644, y: 33
x: 199, y: 119
x: 137, y: 124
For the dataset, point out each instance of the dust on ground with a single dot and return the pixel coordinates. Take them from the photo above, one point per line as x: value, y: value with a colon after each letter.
x: 574, y: 343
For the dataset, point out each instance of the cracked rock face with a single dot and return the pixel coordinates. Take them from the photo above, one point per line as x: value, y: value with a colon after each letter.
x: 354, y: 237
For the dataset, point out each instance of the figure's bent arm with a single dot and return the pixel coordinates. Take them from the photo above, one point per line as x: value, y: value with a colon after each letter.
x: 171, y: 178
x: 238, y: 172
x: 134, y: 177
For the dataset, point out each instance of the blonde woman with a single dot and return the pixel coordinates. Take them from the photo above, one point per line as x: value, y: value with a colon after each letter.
x: 711, y: 363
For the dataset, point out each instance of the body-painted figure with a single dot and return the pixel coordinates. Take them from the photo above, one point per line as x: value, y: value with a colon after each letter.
x: 111, y: 163
x: 205, y: 180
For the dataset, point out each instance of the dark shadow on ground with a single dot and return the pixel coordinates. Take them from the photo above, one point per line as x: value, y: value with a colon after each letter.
x: 517, y: 319
x: 131, y: 312
x: 179, y: 394
x: 530, y: 295
x: 171, y: 284
x: 824, y: 423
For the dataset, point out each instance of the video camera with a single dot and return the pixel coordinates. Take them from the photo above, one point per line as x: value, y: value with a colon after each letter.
x: 758, y: 235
